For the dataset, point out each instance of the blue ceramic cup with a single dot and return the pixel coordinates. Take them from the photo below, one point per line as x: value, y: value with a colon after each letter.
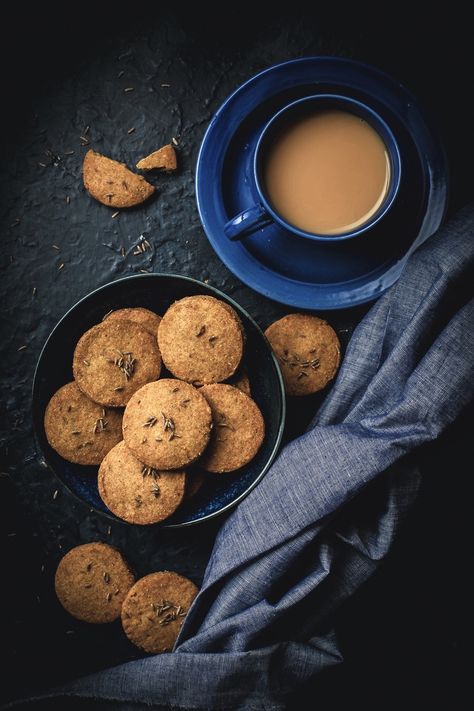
x: 262, y: 213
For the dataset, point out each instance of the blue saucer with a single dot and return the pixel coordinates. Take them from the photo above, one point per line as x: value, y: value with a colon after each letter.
x: 303, y: 273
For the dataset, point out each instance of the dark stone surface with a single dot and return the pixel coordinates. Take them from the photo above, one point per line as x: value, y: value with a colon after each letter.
x: 74, y: 76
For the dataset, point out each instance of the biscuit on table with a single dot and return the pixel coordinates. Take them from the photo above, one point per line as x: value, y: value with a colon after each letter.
x: 144, y: 317
x: 113, y: 359
x: 78, y: 429
x: 201, y: 339
x: 238, y: 432
x: 112, y: 183
x: 92, y: 582
x: 167, y: 424
x: 135, y: 492
x: 164, y: 158
x: 155, y: 608
x: 308, y: 351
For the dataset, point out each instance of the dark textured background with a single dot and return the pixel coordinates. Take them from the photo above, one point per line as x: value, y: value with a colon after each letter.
x: 404, y: 632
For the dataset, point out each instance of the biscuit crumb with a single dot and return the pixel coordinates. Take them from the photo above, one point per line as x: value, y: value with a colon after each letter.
x: 162, y: 159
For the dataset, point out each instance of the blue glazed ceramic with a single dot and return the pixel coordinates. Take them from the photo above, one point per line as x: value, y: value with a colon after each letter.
x: 156, y: 292
x: 310, y: 274
x: 263, y: 213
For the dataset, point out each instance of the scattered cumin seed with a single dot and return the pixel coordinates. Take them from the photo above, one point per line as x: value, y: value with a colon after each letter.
x: 213, y: 339
x: 165, y: 85
x: 55, y: 494
x: 42, y: 165
x: 118, y: 389
x: 86, y: 362
x: 76, y: 432
x: 89, y: 585
x: 122, y: 252
x: 131, y: 130
x: 302, y: 374
x: 183, y: 403
x: 35, y: 291
x: 128, y: 89
x: 175, y: 390
x: 68, y: 199
x: 201, y: 331
x: 55, y: 246
x: 115, y: 214
x: 61, y: 266
x: 89, y: 567
x: 120, y: 74
x: 68, y: 153
x: 144, y: 271
x: 106, y: 577
x: 109, y: 530
x: 16, y: 222
x: 22, y: 348
x: 174, y: 141
x: 109, y: 597
x: 86, y: 130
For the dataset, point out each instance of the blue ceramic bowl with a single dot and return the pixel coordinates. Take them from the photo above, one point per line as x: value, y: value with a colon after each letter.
x: 157, y: 292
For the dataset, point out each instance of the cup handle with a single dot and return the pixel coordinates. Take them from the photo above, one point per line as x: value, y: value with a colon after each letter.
x: 247, y: 221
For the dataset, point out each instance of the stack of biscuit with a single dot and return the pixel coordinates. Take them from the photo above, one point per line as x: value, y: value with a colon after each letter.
x: 202, y: 413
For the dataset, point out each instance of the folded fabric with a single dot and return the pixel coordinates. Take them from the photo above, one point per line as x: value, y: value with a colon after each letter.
x: 329, y: 509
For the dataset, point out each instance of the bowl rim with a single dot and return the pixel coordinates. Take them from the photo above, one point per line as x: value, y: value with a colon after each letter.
x: 43, y: 460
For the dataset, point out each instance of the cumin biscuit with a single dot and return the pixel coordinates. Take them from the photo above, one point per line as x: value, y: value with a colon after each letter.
x: 112, y: 183
x: 308, y: 352
x: 92, y: 582
x: 79, y: 430
x: 167, y: 424
x: 137, y: 493
x: 144, y: 317
x: 201, y: 340
x: 114, y: 359
x: 238, y: 431
x: 164, y: 158
x: 154, y: 610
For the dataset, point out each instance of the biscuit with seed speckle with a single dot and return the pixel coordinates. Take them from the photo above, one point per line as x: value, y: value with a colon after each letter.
x: 238, y: 431
x: 201, y: 340
x: 113, y: 359
x: 92, y: 582
x: 308, y: 351
x: 167, y: 424
x: 154, y: 610
x: 137, y: 493
x: 78, y: 429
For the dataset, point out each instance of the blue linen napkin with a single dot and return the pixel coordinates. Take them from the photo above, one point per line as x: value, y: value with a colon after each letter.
x: 329, y: 509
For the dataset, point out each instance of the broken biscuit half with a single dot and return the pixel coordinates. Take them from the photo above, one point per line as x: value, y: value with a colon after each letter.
x: 112, y: 183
